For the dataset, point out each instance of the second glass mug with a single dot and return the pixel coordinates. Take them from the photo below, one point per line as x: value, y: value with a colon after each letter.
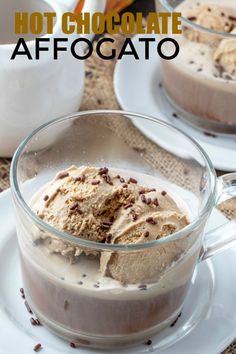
x: 206, y: 90
x: 109, y: 316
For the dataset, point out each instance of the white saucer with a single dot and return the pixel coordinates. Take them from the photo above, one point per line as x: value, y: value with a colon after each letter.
x: 137, y: 89
x: 207, y: 324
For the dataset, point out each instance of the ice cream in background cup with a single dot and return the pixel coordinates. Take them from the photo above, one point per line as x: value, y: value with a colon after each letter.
x: 201, y: 81
x: 108, y: 237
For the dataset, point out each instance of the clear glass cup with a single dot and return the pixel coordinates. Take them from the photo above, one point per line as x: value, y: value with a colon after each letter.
x: 201, y: 82
x: 109, y: 314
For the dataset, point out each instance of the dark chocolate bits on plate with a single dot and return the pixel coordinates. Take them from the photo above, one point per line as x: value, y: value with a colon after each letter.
x: 38, y: 347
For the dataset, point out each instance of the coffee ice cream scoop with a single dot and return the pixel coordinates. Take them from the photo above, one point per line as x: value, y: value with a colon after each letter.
x: 210, y: 16
x: 100, y: 205
x: 225, y: 55
x: 83, y: 202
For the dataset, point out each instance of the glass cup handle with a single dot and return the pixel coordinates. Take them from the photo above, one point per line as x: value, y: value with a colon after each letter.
x: 222, y: 237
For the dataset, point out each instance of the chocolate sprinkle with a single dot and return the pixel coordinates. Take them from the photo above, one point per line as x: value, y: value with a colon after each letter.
x: 32, y: 321
x: 122, y: 180
x: 105, y: 226
x: 148, y: 342
x: 74, y: 206
x: 232, y: 18
x: 28, y: 307
x: 107, y: 178
x: 84, y: 275
x: 103, y: 171
x: 176, y: 320
x: 175, y: 115
x: 210, y: 134
x: 79, y: 211
x: 146, y: 234
x: 38, y: 323
x: 80, y: 178
x: 109, y: 238
x: 46, y: 197
x: 63, y: 175
x: 143, y: 191
x: 38, y: 347
x: 95, y: 182
x: 155, y: 202
x: 142, y: 287
x: 163, y: 193
x: 149, y: 201
x: 22, y: 291
x: 107, y: 223
x: 72, y: 345
x: 132, y: 180
x: 192, y: 18
x: 143, y: 198
x: 151, y: 221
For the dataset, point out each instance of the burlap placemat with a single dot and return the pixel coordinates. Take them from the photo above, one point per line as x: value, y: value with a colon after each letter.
x: 99, y: 94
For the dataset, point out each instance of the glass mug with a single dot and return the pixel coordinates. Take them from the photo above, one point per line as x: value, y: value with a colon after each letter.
x: 200, y: 83
x: 110, y: 314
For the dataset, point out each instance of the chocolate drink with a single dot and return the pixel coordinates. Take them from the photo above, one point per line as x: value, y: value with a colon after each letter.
x: 104, y: 299
x: 202, y: 79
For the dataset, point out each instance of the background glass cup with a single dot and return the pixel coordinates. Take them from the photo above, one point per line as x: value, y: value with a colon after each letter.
x: 104, y: 317
x: 197, y: 83
x: 36, y: 91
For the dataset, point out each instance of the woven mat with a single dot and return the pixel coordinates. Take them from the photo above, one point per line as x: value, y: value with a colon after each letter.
x: 99, y: 94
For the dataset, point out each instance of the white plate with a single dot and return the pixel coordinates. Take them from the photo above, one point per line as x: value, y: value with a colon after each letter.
x: 207, y: 324
x: 137, y: 89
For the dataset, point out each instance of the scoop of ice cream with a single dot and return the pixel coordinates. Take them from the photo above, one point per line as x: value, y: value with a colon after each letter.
x: 214, y: 17
x: 142, y: 223
x: 225, y: 55
x: 82, y: 202
x: 101, y: 206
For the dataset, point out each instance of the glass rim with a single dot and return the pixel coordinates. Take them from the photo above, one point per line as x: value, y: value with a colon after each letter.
x: 67, y: 237
x: 210, y: 31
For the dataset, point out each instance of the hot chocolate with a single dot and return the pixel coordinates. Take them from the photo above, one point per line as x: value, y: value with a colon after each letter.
x: 117, y: 297
x: 202, y: 79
